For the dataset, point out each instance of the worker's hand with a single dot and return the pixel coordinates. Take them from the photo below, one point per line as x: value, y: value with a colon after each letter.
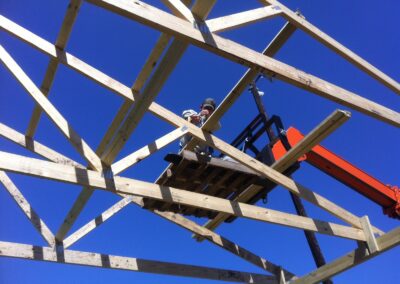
x: 205, y: 112
x: 195, y: 119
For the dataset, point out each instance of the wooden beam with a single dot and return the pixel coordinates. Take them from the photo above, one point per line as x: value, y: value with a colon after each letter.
x: 180, y: 10
x: 355, y: 257
x: 346, y: 53
x: 29, y: 212
x: 177, y: 121
x: 80, y: 145
x: 35, y: 147
x: 168, y: 23
x: 153, y: 87
x: 93, y: 179
x: 147, y: 150
x: 61, y: 42
x: 369, y: 235
x: 224, y: 243
x: 241, y: 19
x: 31, y: 252
x: 93, y: 224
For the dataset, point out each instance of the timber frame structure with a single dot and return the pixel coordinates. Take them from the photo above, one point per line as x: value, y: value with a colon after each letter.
x: 184, y: 26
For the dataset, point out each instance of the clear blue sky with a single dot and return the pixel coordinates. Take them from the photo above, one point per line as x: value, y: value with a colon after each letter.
x: 119, y: 47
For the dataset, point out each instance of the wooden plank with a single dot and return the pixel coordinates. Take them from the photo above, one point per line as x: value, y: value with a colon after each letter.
x: 241, y: 19
x: 355, y: 257
x: 223, y: 243
x: 93, y: 179
x: 93, y: 224
x: 29, y: 212
x: 168, y: 23
x: 80, y: 145
x: 180, y: 10
x: 36, y: 147
x: 147, y: 150
x: 369, y: 235
x: 61, y: 42
x: 177, y: 121
x: 346, y: 53
x: 60, y: 255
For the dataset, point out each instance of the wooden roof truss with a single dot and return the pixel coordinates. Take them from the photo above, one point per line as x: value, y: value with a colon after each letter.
x: 183, y: 27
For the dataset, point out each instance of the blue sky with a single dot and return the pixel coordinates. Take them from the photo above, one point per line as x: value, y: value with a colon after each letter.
x: 119, y: 47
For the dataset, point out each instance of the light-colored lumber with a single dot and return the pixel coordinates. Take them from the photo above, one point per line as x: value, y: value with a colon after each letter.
x: 224, y: 243
x: 31, y: 252
x: 282, y: 279
x: 168, y: 23
x: 356, y: 257
x: 147, y: 150
x: 369, y: 235
x: 180, y: 10
x: 241, y: 19
x: 328, y: 41
x: 36, y: 147
x: 61, y: 42
x: 93, y: 179
x: 29, y: 212
x: 93, y: 224
x: 80, y: 145
x: 177, y: 121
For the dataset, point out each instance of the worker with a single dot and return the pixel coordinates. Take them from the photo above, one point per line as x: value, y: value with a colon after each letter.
x: 198, y: 119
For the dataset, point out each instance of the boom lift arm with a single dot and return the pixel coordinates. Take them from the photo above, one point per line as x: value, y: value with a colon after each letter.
x: 384, y: 195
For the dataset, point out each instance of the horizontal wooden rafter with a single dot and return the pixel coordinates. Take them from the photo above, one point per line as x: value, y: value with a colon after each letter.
x: 43, y: 169
x: 31, y: 252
